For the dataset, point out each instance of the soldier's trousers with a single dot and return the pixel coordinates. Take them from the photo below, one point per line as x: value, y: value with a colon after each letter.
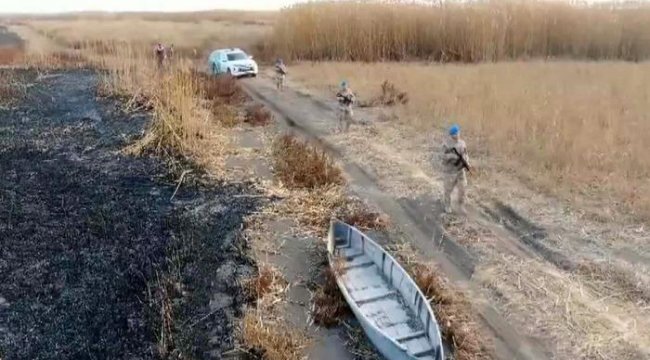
x: 457, y: 180
x: 345, y: 116
x: 279, y: 81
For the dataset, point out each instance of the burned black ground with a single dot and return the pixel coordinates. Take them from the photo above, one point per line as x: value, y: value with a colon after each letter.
x: 96, y: 262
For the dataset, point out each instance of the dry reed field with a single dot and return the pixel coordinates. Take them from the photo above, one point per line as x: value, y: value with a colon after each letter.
x: 570, y: 127
x: 192, y: 34
x: 489, y: 31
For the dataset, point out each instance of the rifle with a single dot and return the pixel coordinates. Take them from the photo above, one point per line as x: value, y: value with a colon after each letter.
x: 461, y: 160
x: 345, y: 99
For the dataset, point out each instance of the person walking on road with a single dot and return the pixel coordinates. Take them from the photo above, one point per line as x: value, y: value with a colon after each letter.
x: 161, y: 54
x: 455, y: 161
x: 280, y: 74
x: 170, y: 52
x: 346, y: 99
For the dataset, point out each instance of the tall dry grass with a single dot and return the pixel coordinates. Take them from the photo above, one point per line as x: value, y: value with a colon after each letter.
x: 573, y: 128
x: 480, y: 31
x: 183, y: 121
x: 191, y: 38
x: 234, y: 16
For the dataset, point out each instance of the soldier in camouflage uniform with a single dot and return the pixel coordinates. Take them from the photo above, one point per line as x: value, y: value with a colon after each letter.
x: 454, y: 152
x: 346, y: 99
x: 280, y: 74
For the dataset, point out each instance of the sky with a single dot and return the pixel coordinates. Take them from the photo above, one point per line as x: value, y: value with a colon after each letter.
x: 55, y: 6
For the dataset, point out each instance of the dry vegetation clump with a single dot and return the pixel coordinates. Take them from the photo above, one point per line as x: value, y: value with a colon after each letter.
x: 359, y: 215
x: 179, y: 121
x: 268, y: 283
x: 161, y: 297
x: 621, y: 280
x: 221, y: 96
x: 390, y: 96
x: 272, y: 338
x: 315, y: 209
x: 258, y: 115
x: 453, y: 312
x: 480, y: 31
x: 299, y: 165
x: 224, y: 89
x: 329, y: 307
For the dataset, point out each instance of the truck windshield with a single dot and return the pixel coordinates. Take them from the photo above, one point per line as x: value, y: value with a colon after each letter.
x: 237, y: 56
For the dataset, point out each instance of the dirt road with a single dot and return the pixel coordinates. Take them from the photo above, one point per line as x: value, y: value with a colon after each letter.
x: 91, y: 247
x: 532, y: 291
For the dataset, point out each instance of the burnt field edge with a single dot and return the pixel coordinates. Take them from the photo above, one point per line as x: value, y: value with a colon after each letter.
x: 96, y: 261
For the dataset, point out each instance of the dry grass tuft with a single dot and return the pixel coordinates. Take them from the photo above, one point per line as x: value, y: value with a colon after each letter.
x: 621, y: 280
x: 224, y: 89
x: 479, y: 31
x: 315, y: 209
x: 221, y: 95
x: 258, y: 115
x: 301, y: 166
x: 453, y: 312
x: 268, y: 283
x: 329, y: 307
x: 390, y: 96
x: 272, y: 338
x: 359, y: 215
x: 161, y: 299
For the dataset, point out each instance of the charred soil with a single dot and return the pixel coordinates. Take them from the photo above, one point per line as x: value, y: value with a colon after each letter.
x: 96, y: 261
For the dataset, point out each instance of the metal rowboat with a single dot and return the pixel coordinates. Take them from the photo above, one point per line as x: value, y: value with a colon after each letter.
x: 395, y: 315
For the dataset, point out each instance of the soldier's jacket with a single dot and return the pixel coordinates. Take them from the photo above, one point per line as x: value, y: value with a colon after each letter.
x: 450, y: 159
x: 345, y: 97
x: 280, y: 69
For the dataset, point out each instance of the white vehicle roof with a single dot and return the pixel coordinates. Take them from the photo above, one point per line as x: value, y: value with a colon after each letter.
x: 229, y: 50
